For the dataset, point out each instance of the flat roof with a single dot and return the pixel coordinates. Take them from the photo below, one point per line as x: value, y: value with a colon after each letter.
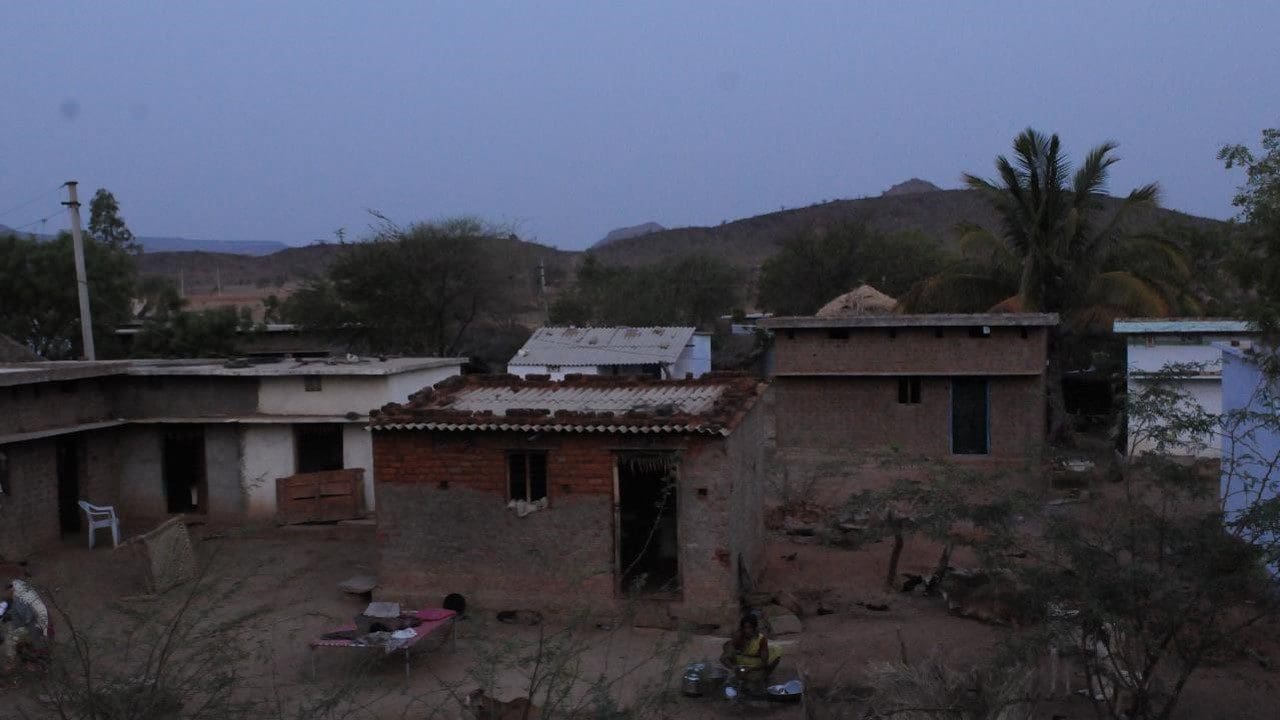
x: 1129, y: 326
x: 28, y: 373
x: 594, y: 346
x: 927, y: 320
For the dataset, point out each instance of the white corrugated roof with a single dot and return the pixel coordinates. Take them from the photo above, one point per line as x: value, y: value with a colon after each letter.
x: 572, y: 346
x: 692, y: 399
x: 1126, y: 326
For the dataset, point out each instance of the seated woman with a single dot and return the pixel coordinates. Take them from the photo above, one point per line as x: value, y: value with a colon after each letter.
x: 748, y: 652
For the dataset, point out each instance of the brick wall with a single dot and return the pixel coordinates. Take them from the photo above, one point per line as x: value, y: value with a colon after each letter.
x: 911, y: 351
x: 443, y: 525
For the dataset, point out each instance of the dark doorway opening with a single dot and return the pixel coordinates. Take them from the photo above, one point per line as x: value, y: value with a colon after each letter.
x: 648, y: 545
x: 970, y: 433
x: 318, y: 447
x: 185, y: 485
x: 67, y: 450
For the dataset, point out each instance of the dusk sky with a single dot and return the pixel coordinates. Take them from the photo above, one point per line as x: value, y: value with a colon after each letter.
x: 285, y: 120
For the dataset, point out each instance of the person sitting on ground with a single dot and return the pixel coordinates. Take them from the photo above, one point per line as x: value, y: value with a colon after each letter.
x: 748, y: 652
x: 17, y: 627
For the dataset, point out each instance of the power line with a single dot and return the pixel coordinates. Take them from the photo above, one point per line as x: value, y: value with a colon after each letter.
x: 42, y: 220
x: 33, y: 200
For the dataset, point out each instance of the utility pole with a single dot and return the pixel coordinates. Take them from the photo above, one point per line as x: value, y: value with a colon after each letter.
x: 542, y: 285
x: 82, y: 282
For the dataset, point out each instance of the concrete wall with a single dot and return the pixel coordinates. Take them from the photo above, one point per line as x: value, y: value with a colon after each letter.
x: 1251, y: 445
x: 41, y: 406
x: 155, y: 397
x: 266, y: 454
x: 141, y: 472
x: 400, y: 387
x: 357, y: 452
x: 337, y: 395
x: 226, y: 494
x: 696, y: 358
x: 443, y: 525
x: 746, y: 470
x: 29, y: 511
x: 910, y: 351
x: 1150, y: 353
x: 1205, y: 392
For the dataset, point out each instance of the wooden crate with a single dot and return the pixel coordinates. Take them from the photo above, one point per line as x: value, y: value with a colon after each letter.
x: 320, y: 496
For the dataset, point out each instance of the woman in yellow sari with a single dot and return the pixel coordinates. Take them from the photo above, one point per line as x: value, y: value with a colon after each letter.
x: 748, y: 652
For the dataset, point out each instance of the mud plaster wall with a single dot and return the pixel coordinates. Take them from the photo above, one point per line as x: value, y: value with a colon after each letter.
x: 443, y: 525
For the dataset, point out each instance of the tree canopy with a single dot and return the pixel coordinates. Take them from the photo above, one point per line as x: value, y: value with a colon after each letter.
x: 688, y: 290
x: 1259, y: 203
x: 1058, y: 248
x: 815, y: 266
x: 105, y: 224
x: 39, y: 297
x: 416, y: 290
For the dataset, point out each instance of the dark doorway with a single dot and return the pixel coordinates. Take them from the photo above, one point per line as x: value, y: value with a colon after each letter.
x: 648, y: 546
x: 969, y: 418
x: 67, y: 451
x: 185, y: 487
x: 318, y: 447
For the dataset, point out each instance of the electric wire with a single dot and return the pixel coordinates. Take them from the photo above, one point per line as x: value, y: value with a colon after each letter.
x: 32, y: 201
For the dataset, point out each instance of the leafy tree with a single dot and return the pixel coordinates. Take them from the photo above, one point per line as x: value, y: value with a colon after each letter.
x: 190, y: 334
x: 688, y: 290
x: 1259, y: 203
x: 416, y: 290
x: 815, y: 266
x: 38, y: 293
x: 105, y: 224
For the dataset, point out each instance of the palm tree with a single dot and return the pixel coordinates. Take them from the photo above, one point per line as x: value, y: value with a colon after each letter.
x: 1057, y: 250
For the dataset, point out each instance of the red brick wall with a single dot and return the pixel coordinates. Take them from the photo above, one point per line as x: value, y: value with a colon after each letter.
x: 461, y: 538
x: 913, y: 351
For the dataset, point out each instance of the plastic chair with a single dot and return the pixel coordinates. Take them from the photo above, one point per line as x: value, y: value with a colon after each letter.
x: 101, y: 516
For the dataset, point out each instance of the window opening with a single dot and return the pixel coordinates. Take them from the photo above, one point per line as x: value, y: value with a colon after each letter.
x: 317, y: 447
x: 527, y: 476
x: 311, y: 383
x: 909, y: 391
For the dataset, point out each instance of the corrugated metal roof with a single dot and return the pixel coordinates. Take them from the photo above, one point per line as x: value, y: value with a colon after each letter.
x: 692, y: 399
x: 1126, y: 326
x: 573, y: 346
x: 923, y: 320
x: 588, y: 404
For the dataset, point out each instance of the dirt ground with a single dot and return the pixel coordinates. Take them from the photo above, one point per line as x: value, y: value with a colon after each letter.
x: 265, y: 593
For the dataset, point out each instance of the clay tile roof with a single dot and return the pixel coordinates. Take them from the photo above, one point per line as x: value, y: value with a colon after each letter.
x: 710, y: 405
x: 595, y: 346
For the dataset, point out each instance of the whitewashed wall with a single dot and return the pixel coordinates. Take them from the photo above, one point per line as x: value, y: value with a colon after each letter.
x: 267, y: 453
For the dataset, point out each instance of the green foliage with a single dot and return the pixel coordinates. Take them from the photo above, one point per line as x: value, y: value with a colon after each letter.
x: 1259, y: 203
x: 39, y: 299
x: 815, y: 266
x: 417, y: 290
x: 105, y: 224
x: 1056, y: 250
x: 689, y: 290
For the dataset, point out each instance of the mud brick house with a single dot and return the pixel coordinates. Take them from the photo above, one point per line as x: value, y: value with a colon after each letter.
x: 640, y: 488
x: 198, y: 437
x: 963, y: 388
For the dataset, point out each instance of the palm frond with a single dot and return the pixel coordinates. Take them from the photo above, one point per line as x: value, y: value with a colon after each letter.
x: 1127, y: 293
x: 955, y: 292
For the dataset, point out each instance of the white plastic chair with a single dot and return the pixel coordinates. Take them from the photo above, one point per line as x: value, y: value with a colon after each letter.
x: 101, y: 516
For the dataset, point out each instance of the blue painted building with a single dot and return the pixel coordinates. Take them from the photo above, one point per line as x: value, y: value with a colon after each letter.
x: 1250, y: 438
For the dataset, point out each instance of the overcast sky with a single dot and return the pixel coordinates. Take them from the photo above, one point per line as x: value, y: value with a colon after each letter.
x: 284, y: 120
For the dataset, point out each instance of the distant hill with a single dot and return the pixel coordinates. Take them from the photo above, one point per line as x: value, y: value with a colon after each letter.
x: 181, y: 244
x: 911, y: 187
x: 205, y: 272
x: 749, y: 242
x: 627, y: 233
